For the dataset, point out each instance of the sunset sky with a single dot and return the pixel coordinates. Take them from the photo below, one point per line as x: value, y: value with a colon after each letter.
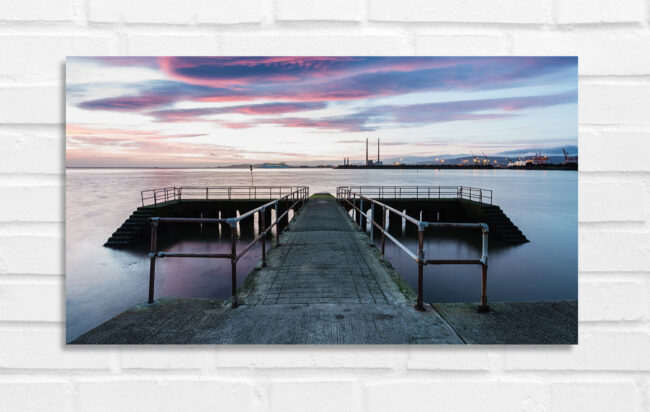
x: 209, y: 111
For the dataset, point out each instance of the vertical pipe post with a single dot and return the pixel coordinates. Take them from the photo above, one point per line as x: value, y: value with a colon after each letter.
x: 361, y: 213
x: 372, y: 219
x: 484, y: 267
x: 233, y: 263
x: 419, y: 305
x: 383, y: 230
x: 263, y: 227
x: 286, y: 209
x: 277, y: 225
x: 152, y: 256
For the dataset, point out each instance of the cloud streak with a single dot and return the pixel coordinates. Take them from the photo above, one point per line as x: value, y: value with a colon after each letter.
x: 418, y: 114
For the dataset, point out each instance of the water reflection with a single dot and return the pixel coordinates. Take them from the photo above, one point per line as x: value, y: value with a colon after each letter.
x: 102, y: 282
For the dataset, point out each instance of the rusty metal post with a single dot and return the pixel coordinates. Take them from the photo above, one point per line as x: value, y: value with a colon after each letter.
x: 233, y: 263
x: 419, y: 305
x: 286, y: 208
x: 263, y: 227
x: 152, y: 257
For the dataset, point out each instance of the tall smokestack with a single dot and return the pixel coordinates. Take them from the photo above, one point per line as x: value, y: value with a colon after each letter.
x: 366, y: 151
x: 377, y: 150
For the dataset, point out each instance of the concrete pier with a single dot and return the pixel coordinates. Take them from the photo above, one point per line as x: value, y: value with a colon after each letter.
x: 325, y: 284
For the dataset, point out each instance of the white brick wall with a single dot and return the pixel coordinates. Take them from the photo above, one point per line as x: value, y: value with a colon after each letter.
x: 610, y: 368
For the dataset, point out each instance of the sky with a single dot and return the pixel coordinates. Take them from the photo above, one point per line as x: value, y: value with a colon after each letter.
x: 217, y: 111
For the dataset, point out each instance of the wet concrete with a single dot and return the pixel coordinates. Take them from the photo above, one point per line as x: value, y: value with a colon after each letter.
x: 324, y: 284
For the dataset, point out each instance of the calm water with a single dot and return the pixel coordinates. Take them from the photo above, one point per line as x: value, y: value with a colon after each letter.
x: 102, y: 282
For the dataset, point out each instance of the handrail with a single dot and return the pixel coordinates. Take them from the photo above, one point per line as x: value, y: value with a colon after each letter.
x: 475, y: 194
x: 300, y: 195
x: 345, y: 194
x: 165, y: 194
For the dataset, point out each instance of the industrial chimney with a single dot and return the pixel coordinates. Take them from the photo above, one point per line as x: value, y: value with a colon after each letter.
x: 366, y: 151
x: 378, y: 161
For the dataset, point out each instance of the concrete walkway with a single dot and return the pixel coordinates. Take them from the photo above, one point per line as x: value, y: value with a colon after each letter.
x: 323, y: 285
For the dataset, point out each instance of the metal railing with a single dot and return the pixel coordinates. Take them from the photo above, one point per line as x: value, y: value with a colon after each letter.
x: 474, y: 194
x: 291, y: 201
x: 167, y: 194
x: 347, y: 195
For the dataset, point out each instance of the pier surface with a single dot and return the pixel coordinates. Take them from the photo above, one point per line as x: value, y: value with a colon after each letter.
x: 326, y: 285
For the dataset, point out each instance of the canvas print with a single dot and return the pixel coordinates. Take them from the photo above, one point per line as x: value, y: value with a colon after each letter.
x: 321, y: 200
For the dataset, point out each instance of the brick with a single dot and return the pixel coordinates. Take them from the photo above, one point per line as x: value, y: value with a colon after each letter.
x: 172, y: 45
x: 604, y: 396
x: 32, y: 301
x: 620, y: 104
x: 173, y: 12
x: 600, y: 53
x: 152, y: 357
x: 29, y: 150
x: 421, y: 395
x: 598, y: 350
x: 19, y: 204
x: 45, y: 349
x: 613, y: 251
x: 33, y: 104
x: 599, y: 11
x: 42, y: 58
x: 460, y: 45
x: 36, y: 396
x: 31, y: 254
x: 472, y: 11
x: 611, y: 301
x: 36, y: 10
x: 309, y: 357
x: 339, y: 10
x: 166, y: 395
x: 296, y: 45
x: 609, y: 151
x: 449, y: 358
x: 315, y: 396
x: 620, y: 200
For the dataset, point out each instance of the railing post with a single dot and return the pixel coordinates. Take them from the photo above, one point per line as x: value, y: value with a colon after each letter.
x: 263, y: 225
x: 233, y: 263
x: 484, y: 267
x: 206, y: 193
x: 361, y: 213
x: 155, y: 200
x: 142, y: 197
x: 152, y: 257
x: 480, y: 196
x: 383, y: 229
x: 372, y: 219
x: 419, y: 304
x: 286, y: 209
x: 277, y: 225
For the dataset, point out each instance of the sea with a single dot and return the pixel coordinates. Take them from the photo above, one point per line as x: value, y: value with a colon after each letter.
x: 103, y: 282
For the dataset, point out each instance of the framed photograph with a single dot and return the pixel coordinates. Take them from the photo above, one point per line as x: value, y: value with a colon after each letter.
x: 321, y: 200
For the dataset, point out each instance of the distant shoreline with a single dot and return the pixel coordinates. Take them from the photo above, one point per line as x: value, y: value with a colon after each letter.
x: 570, y: 167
